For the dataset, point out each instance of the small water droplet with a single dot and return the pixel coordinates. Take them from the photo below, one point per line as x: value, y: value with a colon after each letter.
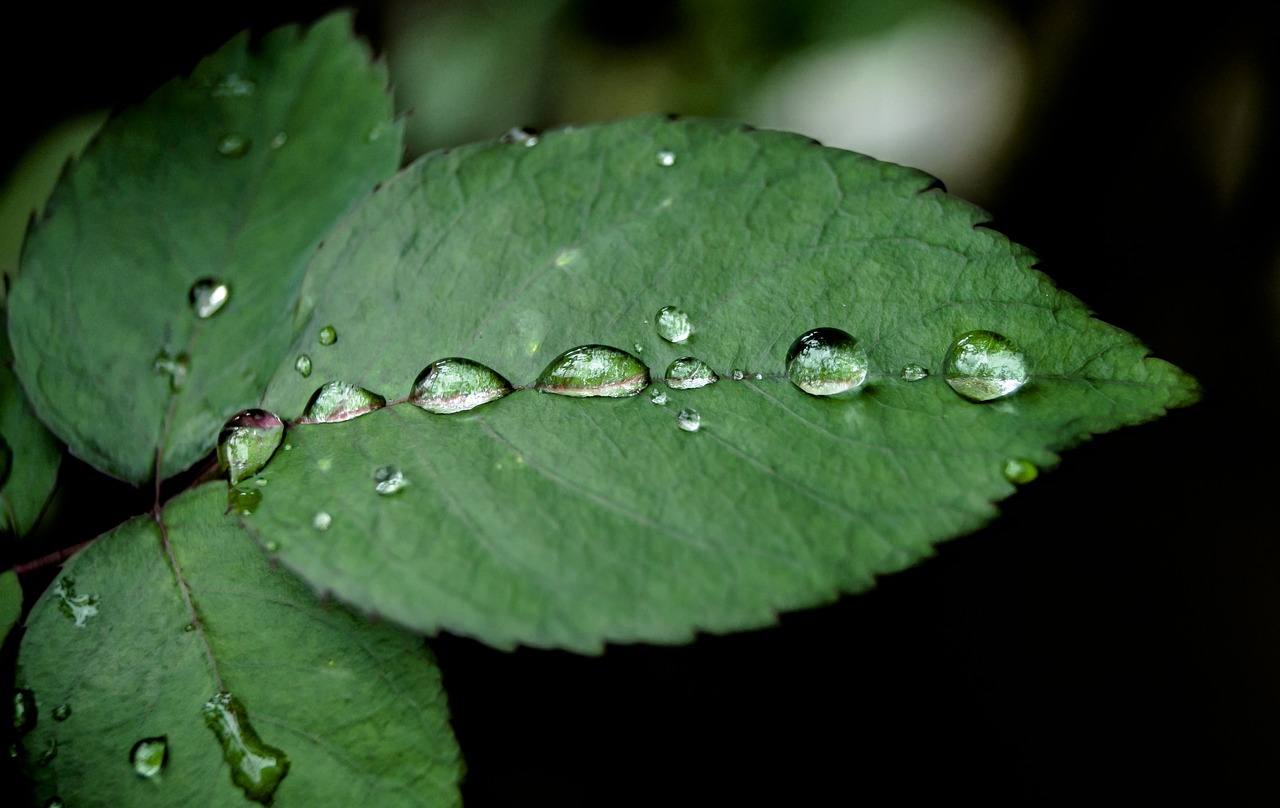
x: 673, y: 324
x: 688, y: 373
x: 637, y: 347
x: 246, y: 443
x: 521, y: 136
x: 25, y: 712
x: 232, y: 85
x: 388, y: 479
x: 189, y: 627
x: 826, y: 361
x: 62, y: 712
x: 303, y: 365
x: 279, y: 140
x: 233, y: 145
x: 175, y: 367
x: 984, y: 366
x: 914, y: 372
x: 340, y: 401
x: 271, y: 546
x: 328, y: 335
x: 321, y: 520
x: 456, y: 385
x: 50, y: 752
x: 1020, y: 471
x: 659, y: 397
x: 149, y: 756
x: 207, y: 297
x: 243, y: 501
x: 689, y: 420
x: 594, y: 370
x: 256, y: 767
x: 666, y: 158
x: 54, y: 802
x: 78, y: 607
x: 737, y: 374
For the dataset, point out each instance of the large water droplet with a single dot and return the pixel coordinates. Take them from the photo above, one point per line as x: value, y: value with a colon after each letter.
x: 984, y: 365
x: 688, y: 373
x: 666, y: 158
x: 521, y: 135
x: 340, y: 401
x: 25, y: 712
x: 673, y: 324
x: 303, y: 365
x: 455, y: 385
x: 689, y: 420
x: 327, y: 336
x: 321, y: 520
x: 388, y: 480
x: 1020, y: 471
x: 233, y: 145
x: 594, y: 370
x: 246, y: 443
x: 78, y: 607
x: 207, y: 297
x: 175, y: 367
x: 149, y: 756
x: 62, y: 712
x: 256, y: 767
x: 914, y: 372
x: 826, y: 361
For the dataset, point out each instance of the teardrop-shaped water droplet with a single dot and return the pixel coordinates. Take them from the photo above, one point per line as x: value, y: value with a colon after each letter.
x: 388, y: 480
x: 521, y: 136
x: 233, y: 145
x: 25, y: 712
x: 175, y: 367
x: 62, y: 712
x: 232, y: 85
x: 826, y: 361
x: 303, y: 365
x: 256, y: 767
x: 321, y: 520
x: 984, y: 366
x: 278, y: 140
x: 914, y: 372
x: 1020, y: 471
x: 659, y: 397
x: 689, y: 420
x: 340, y: 401
x: 207, y: 297
x: 688, y: 373
x: 666, y: 158
x: 247, y: 441
x: 594, y: 370
x: 243, y: 501
x: 673, y: 324
x: 456, y: 385
x: 327, y: 336
x: 149, y: 756
x: 77, y: 607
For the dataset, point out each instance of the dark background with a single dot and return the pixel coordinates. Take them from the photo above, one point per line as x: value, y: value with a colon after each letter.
x: 1113, y: 636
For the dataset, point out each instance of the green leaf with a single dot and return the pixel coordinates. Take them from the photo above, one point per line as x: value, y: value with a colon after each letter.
x: 569, y: 522
x: 10, y: 602
x: 35, y: 455
x: 232, y: 174
x: 357, y: 708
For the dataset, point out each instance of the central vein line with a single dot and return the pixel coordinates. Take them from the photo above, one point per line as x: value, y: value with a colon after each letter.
x: 185, y: 588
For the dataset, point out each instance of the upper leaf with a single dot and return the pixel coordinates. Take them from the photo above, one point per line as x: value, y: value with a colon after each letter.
x: 149, y: 622
x: 568, y: 522
x: 232, y: 174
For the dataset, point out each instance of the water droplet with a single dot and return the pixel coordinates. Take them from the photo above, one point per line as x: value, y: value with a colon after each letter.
x: 321, y: 520
x: 189, y: 627
x: 737, y: 374
x: 328, y: 335
x: 659, y: 397
x: 637, y: 347
x: 914, y: 372
x: 78, y: 607
x: 688, y: 373
x: 388, y: 480
x: 25, y: 712
x: 826, y: 361
x: 303, y: 365
x: 666, y: 158
x: 243, y: 501
x: 62, y: 712
x: 456, y: 385
x: 207, y: 297
x: 54, y: 802
x: 50, y: 752
x: 175, y: 367
x: 594, y: 370
x: 689, y: 420
x: 340, y: 401
x: 246, y: 443
x: 149, y: 756
x: 271, y: 546
x: 673, y: 324
x: 256, y: 767
x: 1020, y: 471
x: 234, y: 145
x: 374, y: 133
x: 279, y: 140
x: 521, y: 136
x: 232, y: 85
x: 984, y: 365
